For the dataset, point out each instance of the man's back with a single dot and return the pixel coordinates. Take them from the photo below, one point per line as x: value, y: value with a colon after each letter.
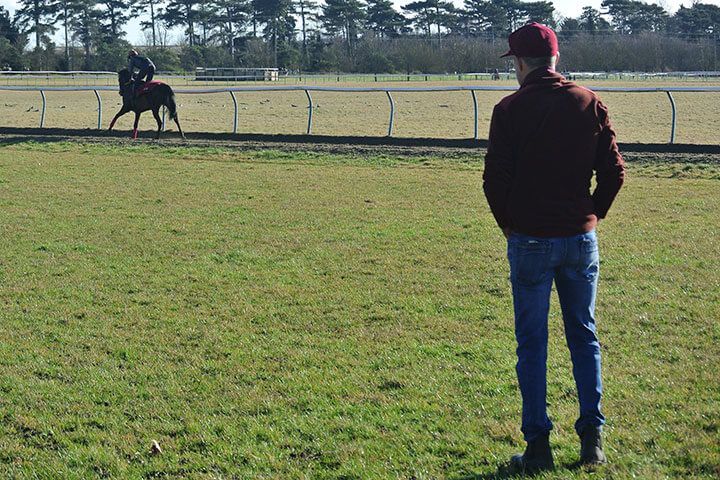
x: 545, y: 142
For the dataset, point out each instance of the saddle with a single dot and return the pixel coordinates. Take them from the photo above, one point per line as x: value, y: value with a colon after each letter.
x: 146, y: 87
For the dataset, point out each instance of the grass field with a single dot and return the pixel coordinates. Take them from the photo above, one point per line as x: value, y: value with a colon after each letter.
x: 643, y: 118
x: 267, y: 315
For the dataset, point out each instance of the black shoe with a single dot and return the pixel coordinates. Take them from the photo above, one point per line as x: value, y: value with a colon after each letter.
x: 537, y: 457
x: 591, y: 452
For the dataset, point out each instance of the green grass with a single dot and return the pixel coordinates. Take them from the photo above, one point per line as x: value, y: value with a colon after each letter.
x: 267, y: 315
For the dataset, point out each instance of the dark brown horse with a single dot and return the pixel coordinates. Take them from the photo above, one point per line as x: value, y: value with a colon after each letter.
x: 159, y: 96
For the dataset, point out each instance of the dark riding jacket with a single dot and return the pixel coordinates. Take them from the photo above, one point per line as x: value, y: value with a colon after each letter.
x: 139, y: 63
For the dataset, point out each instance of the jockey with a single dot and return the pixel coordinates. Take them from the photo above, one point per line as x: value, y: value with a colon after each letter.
x: 144, y: 66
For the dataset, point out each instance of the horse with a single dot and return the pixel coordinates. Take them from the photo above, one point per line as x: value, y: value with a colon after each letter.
x: 159, y: 95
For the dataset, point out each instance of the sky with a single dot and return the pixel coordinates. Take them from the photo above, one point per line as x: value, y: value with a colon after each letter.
x: 566, y: 8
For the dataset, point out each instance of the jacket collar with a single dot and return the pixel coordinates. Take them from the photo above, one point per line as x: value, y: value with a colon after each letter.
x: 541, y: 75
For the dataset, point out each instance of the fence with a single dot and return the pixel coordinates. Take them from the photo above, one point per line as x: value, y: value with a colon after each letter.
x: 90, y: 78
x: 387, y: 90
x: 41, y: 78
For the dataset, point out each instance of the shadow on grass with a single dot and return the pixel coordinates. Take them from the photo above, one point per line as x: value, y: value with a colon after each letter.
x: 61, y: 134
x: 504, y: 472
x: 18, y: 134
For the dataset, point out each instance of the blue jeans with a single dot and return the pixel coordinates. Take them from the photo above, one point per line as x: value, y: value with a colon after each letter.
x: 573, y: 263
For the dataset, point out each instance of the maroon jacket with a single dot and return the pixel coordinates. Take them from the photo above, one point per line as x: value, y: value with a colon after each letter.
x: 546, y: 140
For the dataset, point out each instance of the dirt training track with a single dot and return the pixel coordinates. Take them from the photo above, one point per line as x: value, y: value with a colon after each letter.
x: 343, y: 145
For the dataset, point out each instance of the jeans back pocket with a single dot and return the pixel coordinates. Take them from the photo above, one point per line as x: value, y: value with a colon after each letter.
x: 529, y: 260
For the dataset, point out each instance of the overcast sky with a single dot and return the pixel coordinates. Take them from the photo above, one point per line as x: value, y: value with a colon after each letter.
x: 567, y: 8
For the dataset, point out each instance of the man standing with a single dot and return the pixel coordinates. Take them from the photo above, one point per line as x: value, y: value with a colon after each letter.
x: 546, y: 141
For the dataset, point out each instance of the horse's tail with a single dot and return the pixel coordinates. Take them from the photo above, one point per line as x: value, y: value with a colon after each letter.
x: 171, y: 105
x: 167, y: 98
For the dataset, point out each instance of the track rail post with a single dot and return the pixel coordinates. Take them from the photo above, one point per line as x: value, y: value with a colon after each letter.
x: 235, y: 115
x: 674, y: 117
x: 42, y: 112
x: 310, y: 112
x: 392, y: 113
x: 97, y: 95
x: 475, y: 115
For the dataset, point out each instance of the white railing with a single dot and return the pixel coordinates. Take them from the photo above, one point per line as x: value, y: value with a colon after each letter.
x: 387, y: 90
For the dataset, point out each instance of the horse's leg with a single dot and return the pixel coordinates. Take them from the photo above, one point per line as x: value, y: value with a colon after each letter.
x: 178, y: 125
x: 156, y: 114
x: 122, y: 112
x: 135, y: 126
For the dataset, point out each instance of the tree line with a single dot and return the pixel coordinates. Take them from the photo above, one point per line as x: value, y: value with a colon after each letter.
x: 351, y: 35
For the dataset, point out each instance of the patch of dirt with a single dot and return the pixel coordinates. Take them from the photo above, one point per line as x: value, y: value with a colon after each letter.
x: 324, y: 144
x: 656, y: 158
x: 343, y: 145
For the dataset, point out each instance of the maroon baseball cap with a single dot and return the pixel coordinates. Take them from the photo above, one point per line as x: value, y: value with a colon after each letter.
x: 533, y: 40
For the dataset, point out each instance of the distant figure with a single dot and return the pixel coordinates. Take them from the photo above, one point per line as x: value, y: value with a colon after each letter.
x: 141, y: 68
x: 547, y: 141
x: 496, y: 74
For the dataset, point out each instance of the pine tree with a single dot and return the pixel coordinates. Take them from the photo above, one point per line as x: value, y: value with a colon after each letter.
x: 185, y: 13
x: 10, y: 42
x: 343, y: 17
x: 153, y: 10
x: 307, y: 10
x: 8, y: 29
x: 486, y: 17
x: 698, y: 20
x: 67, y: 9
x: 423, y: 15
x: 114, y: 15
x: 384, y: 20
x: 632, y: 16
x: 209, y: 19
x: 590, y: 21
x: 429, y: 12
x: 85, y: 25
x: 36, y: 16
x: 541, y: 12
x: 279, y: 24
x: 500, y: 17
x: 233, y: 16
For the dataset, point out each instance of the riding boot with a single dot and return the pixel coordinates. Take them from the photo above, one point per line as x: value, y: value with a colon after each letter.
x: 538, y: 456
x: 591, y: 452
